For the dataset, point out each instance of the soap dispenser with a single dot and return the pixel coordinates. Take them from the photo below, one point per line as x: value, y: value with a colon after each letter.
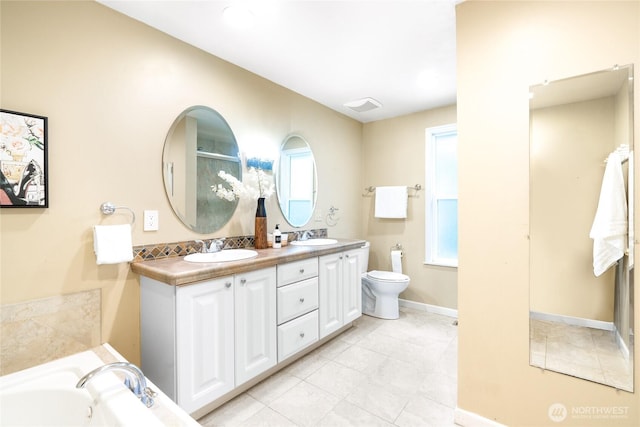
x: 277, y: 237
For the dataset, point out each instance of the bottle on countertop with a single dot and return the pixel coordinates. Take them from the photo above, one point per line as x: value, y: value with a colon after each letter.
x: 277, y: 237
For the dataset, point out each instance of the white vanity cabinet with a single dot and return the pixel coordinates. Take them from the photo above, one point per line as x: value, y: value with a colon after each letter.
x: 297, y: 302
x: 212, y: 331
x: 200, y: 341
x: 340, y: 294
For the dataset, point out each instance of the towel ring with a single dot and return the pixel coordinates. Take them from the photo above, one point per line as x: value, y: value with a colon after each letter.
x: 109, y: 208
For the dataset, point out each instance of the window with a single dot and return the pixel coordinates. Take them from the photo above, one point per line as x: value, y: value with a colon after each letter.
x: 441, y: 210
x: 297, y: 197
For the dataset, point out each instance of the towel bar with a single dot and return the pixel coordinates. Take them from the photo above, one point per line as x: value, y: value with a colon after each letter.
x: 109, y: 208
x: 372, y: 189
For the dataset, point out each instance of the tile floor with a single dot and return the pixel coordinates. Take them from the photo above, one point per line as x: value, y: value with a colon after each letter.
x: 579, y: 351
x: 379, y: 373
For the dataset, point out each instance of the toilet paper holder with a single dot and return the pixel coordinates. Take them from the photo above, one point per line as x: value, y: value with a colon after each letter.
x: 397, y: 254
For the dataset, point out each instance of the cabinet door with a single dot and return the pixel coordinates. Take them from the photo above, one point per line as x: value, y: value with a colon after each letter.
x: 255, y: 315
x: 204, y: 336
x: 351, y: 286
x: 330, y: 294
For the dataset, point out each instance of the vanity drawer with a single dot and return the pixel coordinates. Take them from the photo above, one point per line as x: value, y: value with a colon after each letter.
x: 297, y: 334
x: 297, y: 270
x: 296, y: 299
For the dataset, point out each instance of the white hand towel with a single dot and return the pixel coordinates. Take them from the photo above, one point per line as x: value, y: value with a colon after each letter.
x: 391, y: 202
x: 112, y: 243
x: 609, y: 229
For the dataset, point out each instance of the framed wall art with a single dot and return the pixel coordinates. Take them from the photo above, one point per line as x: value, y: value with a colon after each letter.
x: 23, y: 160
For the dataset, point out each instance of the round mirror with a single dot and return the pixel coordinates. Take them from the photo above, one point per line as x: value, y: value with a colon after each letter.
x: 199, y: 145
x: 296, y: 181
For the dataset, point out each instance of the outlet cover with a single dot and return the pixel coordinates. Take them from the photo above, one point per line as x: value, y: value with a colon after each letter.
x: 151, y: 221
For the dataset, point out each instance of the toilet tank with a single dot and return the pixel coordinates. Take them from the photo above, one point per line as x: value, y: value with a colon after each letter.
x: 364, y: 257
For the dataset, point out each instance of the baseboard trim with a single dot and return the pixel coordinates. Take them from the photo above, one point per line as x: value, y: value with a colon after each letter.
x: 471, y: 419
x: 575, y: 321
x: 622, y: 345
x: 436, y: 309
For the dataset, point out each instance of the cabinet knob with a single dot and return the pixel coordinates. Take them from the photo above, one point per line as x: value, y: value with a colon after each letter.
x: 340, y: 256
x: 227, y: 285
x: 302, y: 299
x: 243, y: 281
x: 301, y: 334
x: 301, y: 270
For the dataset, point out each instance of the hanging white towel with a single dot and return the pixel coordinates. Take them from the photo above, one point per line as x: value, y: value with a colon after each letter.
x: 391, y: 202
x: 609, y: 229
x: 112, y: 243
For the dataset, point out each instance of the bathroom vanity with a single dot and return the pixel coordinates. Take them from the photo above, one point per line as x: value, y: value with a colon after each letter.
x: 210, y: 331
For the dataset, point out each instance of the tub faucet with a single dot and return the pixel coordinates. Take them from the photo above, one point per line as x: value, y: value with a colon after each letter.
x: 138, y: 387
x: 215, y: 246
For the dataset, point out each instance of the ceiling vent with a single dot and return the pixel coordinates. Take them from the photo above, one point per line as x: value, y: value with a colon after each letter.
x: 364, y: 104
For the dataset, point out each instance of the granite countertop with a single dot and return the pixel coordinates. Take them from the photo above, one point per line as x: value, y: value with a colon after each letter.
x: 177, y: 272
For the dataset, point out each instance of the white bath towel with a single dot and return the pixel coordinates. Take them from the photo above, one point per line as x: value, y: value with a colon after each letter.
x: 609, y: 229
x: 391, y: 202
x: 112, y: 243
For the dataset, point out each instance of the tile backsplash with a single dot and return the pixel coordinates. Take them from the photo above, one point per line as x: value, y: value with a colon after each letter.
x: 46, y: 329
x: 176, y: 249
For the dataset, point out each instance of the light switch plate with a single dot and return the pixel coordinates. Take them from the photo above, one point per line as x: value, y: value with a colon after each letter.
x: 151, y: 221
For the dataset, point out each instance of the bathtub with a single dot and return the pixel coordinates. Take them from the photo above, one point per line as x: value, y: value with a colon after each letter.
x: 46, y: 395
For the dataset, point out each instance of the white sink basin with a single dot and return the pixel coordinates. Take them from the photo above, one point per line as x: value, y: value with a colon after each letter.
x: 222, y: 256
x: 314, y: 242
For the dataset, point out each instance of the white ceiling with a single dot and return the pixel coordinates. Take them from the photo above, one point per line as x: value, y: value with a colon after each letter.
x: 399, y: 52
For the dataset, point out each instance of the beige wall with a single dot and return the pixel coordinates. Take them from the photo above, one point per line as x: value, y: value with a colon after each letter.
x: 111, y: 88
x: 569, y: 143
x: 503, y: 48
x: 394, y: 154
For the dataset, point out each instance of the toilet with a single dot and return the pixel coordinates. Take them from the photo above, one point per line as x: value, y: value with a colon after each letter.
x: 380, y: 289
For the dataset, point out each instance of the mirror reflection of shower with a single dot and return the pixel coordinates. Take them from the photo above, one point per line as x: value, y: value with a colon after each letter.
x: 581, y: 226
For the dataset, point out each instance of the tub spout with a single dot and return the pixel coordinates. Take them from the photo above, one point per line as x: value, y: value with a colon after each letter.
x: 138, y: 386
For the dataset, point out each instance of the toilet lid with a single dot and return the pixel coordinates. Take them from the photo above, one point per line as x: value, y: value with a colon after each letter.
x: 387, y: 275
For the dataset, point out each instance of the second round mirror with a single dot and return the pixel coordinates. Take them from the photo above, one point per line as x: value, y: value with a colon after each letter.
x: 296, y: 181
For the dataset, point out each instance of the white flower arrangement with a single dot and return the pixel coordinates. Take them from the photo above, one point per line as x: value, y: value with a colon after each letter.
x: 257, y: 184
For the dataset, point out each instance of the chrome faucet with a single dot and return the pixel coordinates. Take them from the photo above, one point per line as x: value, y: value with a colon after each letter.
x: 139, y: 387
x: 215, y: 246
x: 307, y: 234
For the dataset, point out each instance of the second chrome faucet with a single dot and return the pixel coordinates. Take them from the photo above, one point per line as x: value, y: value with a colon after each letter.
x: 216, y: 245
